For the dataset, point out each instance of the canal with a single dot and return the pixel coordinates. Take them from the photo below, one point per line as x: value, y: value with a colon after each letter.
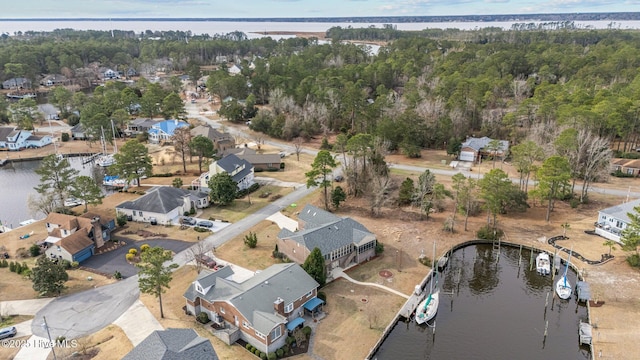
x: 492, y: 308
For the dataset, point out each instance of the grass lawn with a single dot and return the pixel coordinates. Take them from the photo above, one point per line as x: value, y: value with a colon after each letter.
x: 242, y: 208
x: 258, y: 258
x: 108, y: 343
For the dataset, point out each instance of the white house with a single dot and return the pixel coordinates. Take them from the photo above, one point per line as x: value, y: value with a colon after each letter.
x: 612, y: 220
x: 241, y: 172
x: 235, y: 69
x: 14, y: 139
x: 165, y: 204
x: 110, y: 74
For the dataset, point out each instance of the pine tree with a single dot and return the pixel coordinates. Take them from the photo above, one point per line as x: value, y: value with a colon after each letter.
x: 154, y: 277
x: 314, y: 266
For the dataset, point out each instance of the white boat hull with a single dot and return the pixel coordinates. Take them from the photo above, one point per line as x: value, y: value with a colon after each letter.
x: 428, y: 308
x: 543, y: 264
x: 563, y: 289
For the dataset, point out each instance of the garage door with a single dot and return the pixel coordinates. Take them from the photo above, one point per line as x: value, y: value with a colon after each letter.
x: 467, y: 156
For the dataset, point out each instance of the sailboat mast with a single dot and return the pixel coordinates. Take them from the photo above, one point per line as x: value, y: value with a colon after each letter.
x: 434, y: 268
x: 115, y: 143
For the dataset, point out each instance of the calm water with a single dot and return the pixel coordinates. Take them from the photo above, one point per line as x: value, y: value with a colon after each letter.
x: 17, y: 182
x: 496, y: 312
x: 252, y: 29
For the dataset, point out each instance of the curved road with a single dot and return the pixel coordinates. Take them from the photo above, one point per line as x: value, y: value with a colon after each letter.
x: 84, y: 313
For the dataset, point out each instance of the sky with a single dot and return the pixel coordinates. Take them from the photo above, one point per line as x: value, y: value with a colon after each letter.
x: 299, y: 8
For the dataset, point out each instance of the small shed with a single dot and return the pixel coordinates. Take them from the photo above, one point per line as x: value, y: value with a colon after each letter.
x: 583, y: 291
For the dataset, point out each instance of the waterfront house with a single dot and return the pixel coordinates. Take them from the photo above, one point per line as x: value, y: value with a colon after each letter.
x: 473, y: 149
x: 140, y: 125
x: 163, y: 130
x: 110, y: 74
x: 74, y: 238
x: 172, y: 344
x: 78, y: 133
x: 613, y: 220
x: 343, y: 242
x: 241, y: 171
x: 162, y: 204
x: 54, y: 79
x: 258, y: 310
x: 14, y: 139
x: 221, y: 141
x: 18, y: 83
x: 235, y: 69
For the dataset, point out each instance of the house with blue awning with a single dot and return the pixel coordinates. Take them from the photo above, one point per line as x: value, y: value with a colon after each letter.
x: 260, y: 310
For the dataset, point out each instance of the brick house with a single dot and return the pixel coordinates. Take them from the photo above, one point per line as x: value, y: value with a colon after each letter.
x: 258, y: 310
x: 343, y: 241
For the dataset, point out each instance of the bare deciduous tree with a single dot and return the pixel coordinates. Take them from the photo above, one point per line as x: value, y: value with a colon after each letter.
x: 297, y: 147
x: 196, y: 250
x: 45, y: 203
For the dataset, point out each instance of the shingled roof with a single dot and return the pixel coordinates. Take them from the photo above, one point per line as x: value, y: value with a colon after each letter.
x: 231, y: 162
x: 621, y: 211
x: 173, y: 344
x: 326, y: 231
x: 76, y: 242
x: 159, y: 200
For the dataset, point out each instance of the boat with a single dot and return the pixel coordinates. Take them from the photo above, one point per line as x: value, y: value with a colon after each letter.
x: 563, y: 286
x: 73, y: 202
x: 442, y: 263
x: 429, y: 306
x: 543, y: 264
x: 26, y: 236
x: 107, y: 159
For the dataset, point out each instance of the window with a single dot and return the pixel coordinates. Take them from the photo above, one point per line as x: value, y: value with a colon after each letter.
x: 288, y: 308
x: 309, y: 294
x: 245, y: 324
x: 140, y: 213
x: 260, y: 335
x: 276, y: 333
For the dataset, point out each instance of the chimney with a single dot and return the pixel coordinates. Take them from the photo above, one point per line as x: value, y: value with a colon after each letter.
x: 278, y: 306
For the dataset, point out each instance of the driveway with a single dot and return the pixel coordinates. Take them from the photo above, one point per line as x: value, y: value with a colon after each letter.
x: 114, y: 260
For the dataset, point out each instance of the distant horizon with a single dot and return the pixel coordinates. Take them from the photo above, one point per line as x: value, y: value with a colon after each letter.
x: 605, y: 16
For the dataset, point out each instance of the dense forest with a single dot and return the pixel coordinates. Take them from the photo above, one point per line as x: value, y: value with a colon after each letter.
x: 428, y: 89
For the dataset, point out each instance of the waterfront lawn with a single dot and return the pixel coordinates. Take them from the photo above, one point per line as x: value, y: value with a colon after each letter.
x: 243, y: 207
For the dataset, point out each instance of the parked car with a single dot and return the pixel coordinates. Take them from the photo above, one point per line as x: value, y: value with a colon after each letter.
x: 189, y: 220
x: 8, y: 332
x: 206, y: 261
x: 205, y: 224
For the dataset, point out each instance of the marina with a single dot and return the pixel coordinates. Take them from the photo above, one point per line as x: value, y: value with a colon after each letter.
x: 487, y: 297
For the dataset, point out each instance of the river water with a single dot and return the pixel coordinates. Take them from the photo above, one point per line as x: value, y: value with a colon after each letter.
x: 17, y: 182
x: 497, y: 311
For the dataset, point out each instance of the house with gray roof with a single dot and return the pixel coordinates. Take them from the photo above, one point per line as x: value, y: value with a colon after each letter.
x: 258, y: 310
x: 613, y: 220
x: 173, y: 344
x: 260, y: 162
x: 140, y: 125
x: 343, y: 242
x: 241, y: 171
x: 165, y: 204
x: 221, y: 140
x: 473, y: 149
x: 18, y: 83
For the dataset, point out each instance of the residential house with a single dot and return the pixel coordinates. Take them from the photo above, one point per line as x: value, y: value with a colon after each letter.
x: 163, y: 204
x: 473, y: 149
x: 74, y: 238
x: 163, y: 131
x: 343, y: 242
x: 626, y: 166
x: 131, y: 72
x: 241, y: 172
x: 110, y: 74
x: 613, y: 220
x: 14, y: 139
x: 140, y: 125
x: 19, y: 83
x: 258, y: 310
x: 172, y: 344
x: 260, y: 162
x: 221, y: 141
x: 78, y: 133
x: 235, y: 69
x: 54, y: 79
x: 185, y: 79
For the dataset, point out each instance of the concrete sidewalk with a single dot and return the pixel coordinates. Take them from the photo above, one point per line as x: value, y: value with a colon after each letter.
x: 138, y: 322
x: 338, y: 273
x: 36, y: 349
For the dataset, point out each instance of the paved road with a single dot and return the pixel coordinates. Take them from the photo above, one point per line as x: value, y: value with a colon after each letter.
x: 114, y: 260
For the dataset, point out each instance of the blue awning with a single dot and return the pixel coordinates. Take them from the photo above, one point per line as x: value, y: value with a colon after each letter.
x: 294, y: 323
x: 313, y: 304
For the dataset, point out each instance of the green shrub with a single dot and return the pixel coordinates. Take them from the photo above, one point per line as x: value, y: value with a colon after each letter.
x: 621, y: 174
x: 426, y: 261
x: 66, y: 264
x: 200, y: 229
x: 60, y: 339
x: 121, y: 220
x: 306, y: 331
x: 272, y: 169
x: 248, y: 346
x: 34, y: 250
x: 144, y: 247
x: 4, y: 263
x: 257, y: 352
x: 634, y: 260
x: 64, y: 137
x: 162, y: 175
x: 263, y: 356
x: 26, y: 273
x: 117, y: 275
x: 75, y: 264
x: 279, y: 352
x: 17, y: 268
x: 258, y: 170
x: 290, y: 340
x: 251, y: 240
x: 12, y: 266
x: 379, y: 248
x: 192, y: 211
x: 322, y: 296
x: 186, y: 213
x: 203, y: 318
x: 133, y: 251
x: 488, y: 233
x: 129, y: 257
x: 285, y: 348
